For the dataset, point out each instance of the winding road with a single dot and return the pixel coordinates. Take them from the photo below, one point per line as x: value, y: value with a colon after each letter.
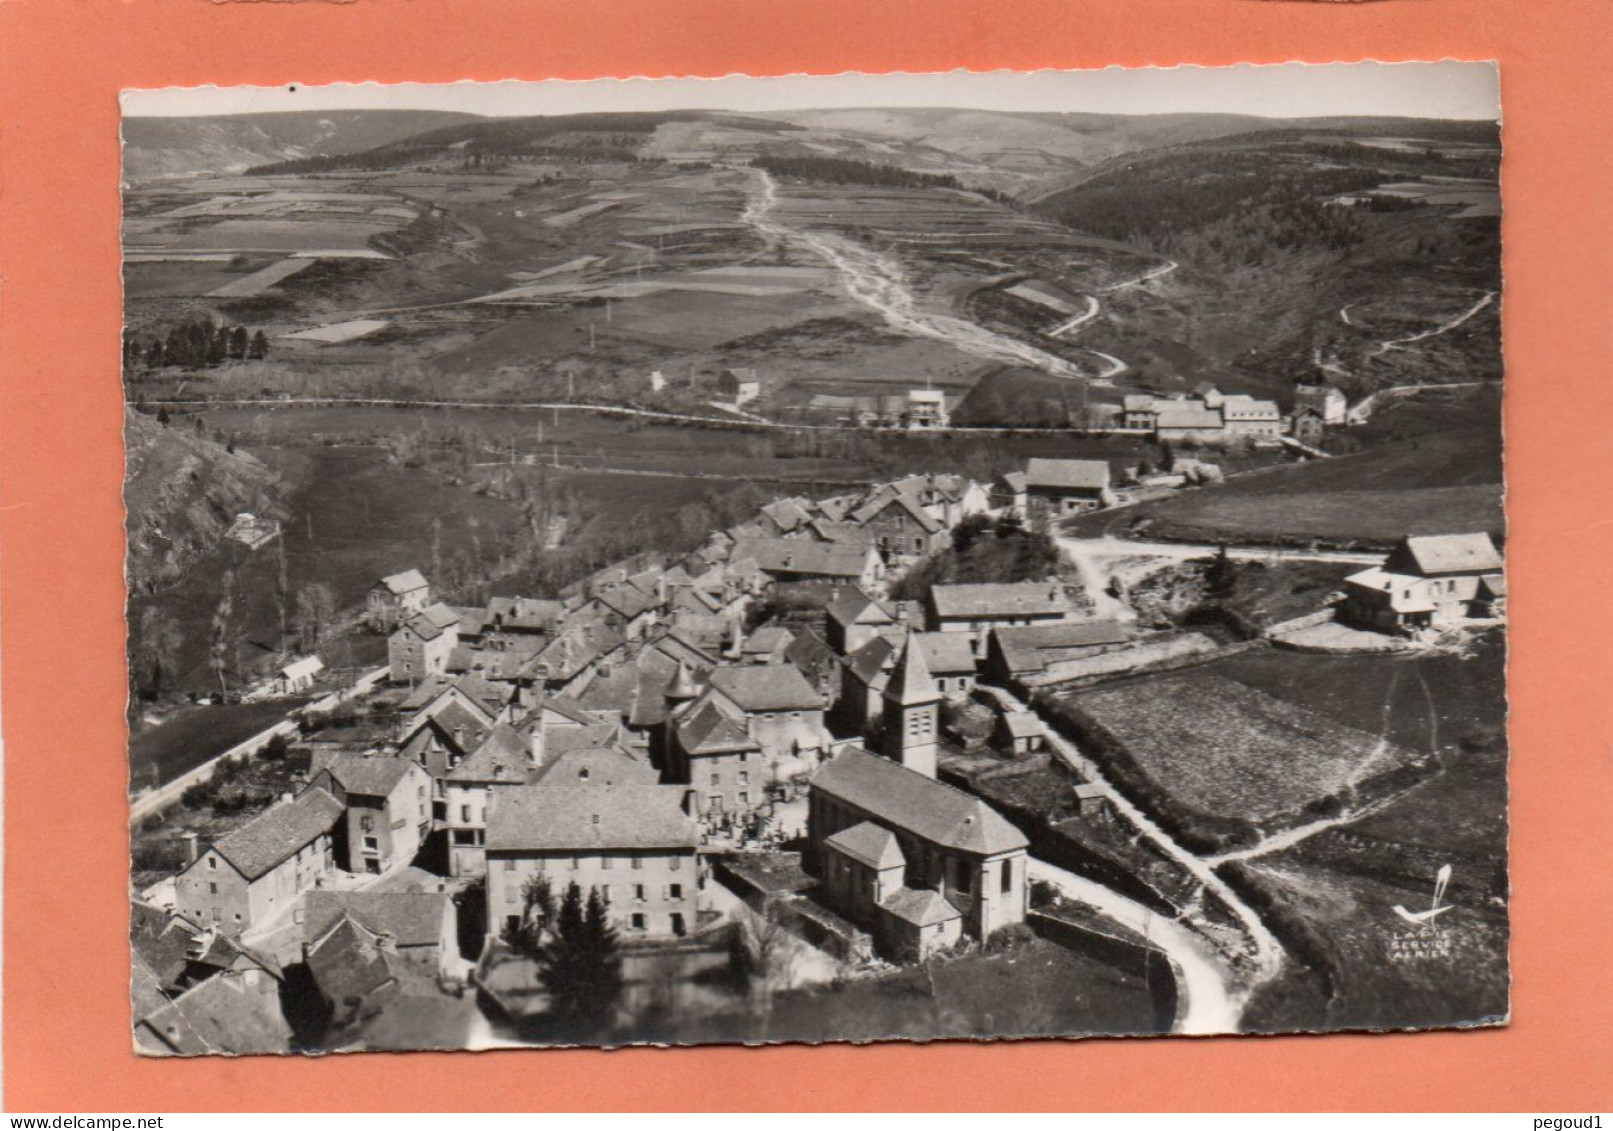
x: 1214, y: 993
x: 1444, y: 327
x: 879, y: 283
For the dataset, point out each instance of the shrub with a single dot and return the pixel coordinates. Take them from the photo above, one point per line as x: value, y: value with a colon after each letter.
x: 158, y: 856
x: 1015, y: 936
x: 195, y: 796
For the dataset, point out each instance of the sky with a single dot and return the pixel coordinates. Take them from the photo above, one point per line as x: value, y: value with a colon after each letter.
x: 1447, y: 89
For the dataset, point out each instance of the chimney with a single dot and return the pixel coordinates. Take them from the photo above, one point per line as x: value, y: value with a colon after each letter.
x: 192, y: 850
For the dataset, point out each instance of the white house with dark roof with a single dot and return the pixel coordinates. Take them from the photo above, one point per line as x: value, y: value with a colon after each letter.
x: 254, y: 874
x: 398, y: 596
x: 915, y: 861
x: 632, y: 843
x: 1428, y: 580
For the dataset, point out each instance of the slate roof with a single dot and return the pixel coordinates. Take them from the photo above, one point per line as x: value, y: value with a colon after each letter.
x: 842, y: 533
x: 999, y: 599
x: 766, y: 640
x: 1187, y: 416
x: 766, y: 687
x: 852, y: 607
x: 364, y: 774
x: 589, y: 818
x: 902, y: 499
x: 411, y: 918
x: 597, y: 764
x: 1023, y: 724
x: 946, y: 653
x: 869, y: 844
x: 432, y: 622
x: 348, y: 964
x: 800, y: 556
x: 910, y: 683
x: 706, y: 730
x: 905, y: 799
x: 1023, y: 648
x: 1067, y: 474
x: 1406, y: 592
x: 219, y: 1015
x: 1438, y: 554
x: 275, y: 835
x: 868, y: 663
x: 500, y: 757
x: 626, y: 601
x: 406, y: 582
x: 921, y: 907
x: 558, y: 740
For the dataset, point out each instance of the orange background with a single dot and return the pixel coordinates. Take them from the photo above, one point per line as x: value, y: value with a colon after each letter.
x: 62, y: 62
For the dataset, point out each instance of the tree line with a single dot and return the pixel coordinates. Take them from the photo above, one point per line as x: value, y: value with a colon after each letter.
x: 199, y: 343
x: 845, y: 171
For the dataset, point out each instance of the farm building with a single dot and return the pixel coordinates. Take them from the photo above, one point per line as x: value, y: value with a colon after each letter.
x: 299, y: 675
x: 253, y: 532
x: 1014, y: 653
x: 741, y: 386
x: 1325, y: 400
x: 1428, y: 580
x: 1069, y: 486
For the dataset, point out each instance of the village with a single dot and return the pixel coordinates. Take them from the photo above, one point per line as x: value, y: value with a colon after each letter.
x: 848, y: 737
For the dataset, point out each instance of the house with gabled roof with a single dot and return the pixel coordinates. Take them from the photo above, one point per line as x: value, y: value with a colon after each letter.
x: 631, y: 843
x: 503, y: 757
x: 1014, y: 653
x: 976, y: 609
x: 799, y: 559
x: 235, y: 1013
x: 249, y: 877
x: 853, y: 617
x: 445, y: 737
x: 1069, y: 486
x: 397, y: 597
x: 1327, y: 401
x: 1428, y: 580
x: 388, y: 803
x: 902, y: 528
x: 423, y: 643
x: 962, y: 865
x: 417, y: 929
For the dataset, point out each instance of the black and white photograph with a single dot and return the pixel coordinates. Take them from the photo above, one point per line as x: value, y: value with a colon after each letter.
x: 815, y: 559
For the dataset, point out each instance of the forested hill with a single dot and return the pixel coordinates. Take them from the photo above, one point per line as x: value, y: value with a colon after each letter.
x: 229, y: 143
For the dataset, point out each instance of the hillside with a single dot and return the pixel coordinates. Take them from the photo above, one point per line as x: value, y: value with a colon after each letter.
x: 182, y: 491
x: 175, y: 147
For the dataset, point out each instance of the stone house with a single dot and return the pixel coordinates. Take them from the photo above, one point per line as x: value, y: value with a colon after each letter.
x: 388, y: 803
x: 632, y: 843
x: 423, y: 645
x: 257, y: 872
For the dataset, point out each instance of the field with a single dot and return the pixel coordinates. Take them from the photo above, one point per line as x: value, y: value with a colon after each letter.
x: 195, y: 734
x: 1383, y: 972
x: 1445, y: 482
x: 1221, y: 748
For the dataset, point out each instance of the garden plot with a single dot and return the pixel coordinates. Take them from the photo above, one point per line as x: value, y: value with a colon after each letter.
x: 1219, y: 747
